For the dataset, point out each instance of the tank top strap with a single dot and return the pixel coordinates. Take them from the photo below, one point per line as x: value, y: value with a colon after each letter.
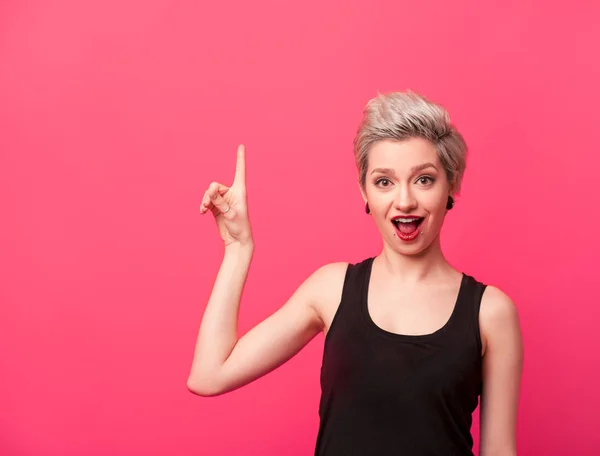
x: 355, y: 281
x: 347, y: 315
x: 466, y: 320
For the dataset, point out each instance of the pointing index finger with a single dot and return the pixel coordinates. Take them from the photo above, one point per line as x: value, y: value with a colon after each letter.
x: 240, y: 166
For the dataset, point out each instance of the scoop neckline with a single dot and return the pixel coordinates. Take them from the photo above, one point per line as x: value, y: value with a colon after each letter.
x: 392, y: 335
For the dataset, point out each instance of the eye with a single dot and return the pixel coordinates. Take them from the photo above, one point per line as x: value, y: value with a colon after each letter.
x: 426, y: 180
x: 383, y: 179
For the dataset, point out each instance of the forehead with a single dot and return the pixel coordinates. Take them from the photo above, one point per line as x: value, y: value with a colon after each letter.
x: 402, y: 155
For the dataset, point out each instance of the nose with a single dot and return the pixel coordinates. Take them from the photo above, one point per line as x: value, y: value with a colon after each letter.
x: 405, y: 200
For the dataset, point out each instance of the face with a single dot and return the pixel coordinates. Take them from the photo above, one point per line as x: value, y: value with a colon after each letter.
x: 407, y: 190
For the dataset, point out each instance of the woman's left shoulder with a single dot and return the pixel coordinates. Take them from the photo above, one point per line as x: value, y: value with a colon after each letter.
x: 496, y: 304
x: 498, y: 316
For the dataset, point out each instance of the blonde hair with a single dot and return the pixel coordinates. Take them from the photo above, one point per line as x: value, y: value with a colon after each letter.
x: 403, y: 115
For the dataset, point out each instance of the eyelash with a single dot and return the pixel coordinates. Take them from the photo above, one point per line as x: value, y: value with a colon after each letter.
x: 431, y: 180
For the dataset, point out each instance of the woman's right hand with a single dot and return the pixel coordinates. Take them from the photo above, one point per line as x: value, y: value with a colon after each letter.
x: 229, y: 205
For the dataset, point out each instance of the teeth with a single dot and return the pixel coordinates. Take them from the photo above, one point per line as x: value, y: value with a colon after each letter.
x: 406, y: 220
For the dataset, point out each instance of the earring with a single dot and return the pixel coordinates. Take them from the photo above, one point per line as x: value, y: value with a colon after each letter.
x: 450, y: 203
x: 367, y: 209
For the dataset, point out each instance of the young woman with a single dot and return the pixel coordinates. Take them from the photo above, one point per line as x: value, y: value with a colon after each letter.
x: 411, y: 343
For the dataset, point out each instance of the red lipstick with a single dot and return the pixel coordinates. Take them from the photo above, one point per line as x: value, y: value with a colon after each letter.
x: 408, y: 236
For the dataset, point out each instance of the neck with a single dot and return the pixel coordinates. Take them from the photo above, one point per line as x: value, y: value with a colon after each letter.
x: 428, y: 264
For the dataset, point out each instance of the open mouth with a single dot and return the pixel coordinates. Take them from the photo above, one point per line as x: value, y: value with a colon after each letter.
x: 407, y: 225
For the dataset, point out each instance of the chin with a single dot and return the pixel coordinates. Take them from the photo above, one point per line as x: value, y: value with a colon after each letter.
x: 413, y: 248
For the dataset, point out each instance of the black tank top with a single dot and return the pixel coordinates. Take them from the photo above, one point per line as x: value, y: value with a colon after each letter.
x: 387, y: 394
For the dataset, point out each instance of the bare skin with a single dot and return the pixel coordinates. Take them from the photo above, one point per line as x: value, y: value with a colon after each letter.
x: 404, y: 178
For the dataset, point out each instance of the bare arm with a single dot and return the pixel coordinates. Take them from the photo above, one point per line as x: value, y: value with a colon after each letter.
x: 267, y: 345
x: 502, y: 367
x: 222, y: 362
x: 218, y: 331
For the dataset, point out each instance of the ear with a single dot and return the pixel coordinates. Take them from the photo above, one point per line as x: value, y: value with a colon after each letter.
x: 452, y: 189
x: 362, y: 192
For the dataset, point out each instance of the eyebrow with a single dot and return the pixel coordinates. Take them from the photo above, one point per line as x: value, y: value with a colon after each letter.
x: 414, y: 169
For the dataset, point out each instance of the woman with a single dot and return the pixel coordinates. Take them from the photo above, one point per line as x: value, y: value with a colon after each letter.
x: 410, y: 342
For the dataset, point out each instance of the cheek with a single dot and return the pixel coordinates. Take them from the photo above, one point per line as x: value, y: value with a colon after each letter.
x: 435, y: 204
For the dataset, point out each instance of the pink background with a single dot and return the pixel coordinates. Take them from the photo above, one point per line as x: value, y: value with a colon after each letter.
x: 114, y: 118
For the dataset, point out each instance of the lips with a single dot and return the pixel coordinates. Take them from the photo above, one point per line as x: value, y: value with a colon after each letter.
x: 407, y: 227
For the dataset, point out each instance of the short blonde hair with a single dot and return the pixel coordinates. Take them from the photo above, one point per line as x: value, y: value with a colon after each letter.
x: 403, y: 115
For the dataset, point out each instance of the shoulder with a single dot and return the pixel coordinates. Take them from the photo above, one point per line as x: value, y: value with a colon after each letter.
x: 325, y: 279
x: 329, y: 277
x: 498, y: 315
x: 332, y: 269
x: 496, y: 306
x: 325, y: 286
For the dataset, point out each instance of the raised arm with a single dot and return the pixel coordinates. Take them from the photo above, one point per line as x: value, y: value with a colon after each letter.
x: 222, y: 362
x: 267, y: 345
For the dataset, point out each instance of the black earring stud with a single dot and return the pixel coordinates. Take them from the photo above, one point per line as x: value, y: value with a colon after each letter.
x: 450, y: 203
x: 367, y: 209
